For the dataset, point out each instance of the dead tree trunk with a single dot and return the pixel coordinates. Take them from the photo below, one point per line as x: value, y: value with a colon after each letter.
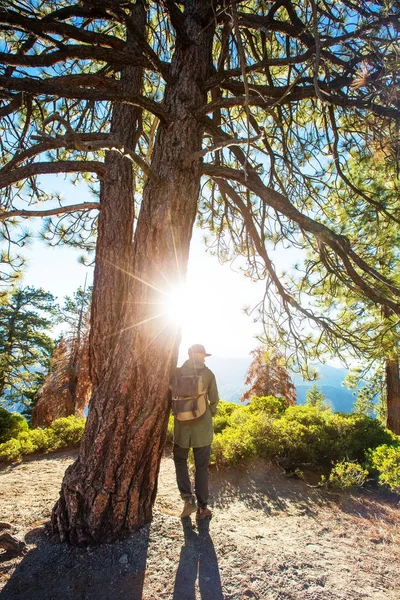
x: 110, y: 490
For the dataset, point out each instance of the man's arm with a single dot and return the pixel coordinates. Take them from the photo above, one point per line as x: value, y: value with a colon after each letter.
x: 213, y: 397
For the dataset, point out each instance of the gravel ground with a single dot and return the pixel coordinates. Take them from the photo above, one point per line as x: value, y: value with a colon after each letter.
x: 270, y: 538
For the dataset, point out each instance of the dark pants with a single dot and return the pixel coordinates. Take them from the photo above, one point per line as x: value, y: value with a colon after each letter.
x: 201, y: 459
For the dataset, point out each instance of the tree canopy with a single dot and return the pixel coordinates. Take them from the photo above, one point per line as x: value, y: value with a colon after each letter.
x: 295, y: 92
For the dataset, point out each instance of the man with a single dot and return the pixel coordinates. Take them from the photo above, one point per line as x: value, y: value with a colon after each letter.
x: 197, y: 435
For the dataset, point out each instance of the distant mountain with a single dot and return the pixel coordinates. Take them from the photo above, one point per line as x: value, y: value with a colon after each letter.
x: 340, y: 399
x: 231, y: 373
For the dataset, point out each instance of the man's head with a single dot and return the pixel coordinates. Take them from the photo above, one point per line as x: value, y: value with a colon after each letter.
x: 197, y: 353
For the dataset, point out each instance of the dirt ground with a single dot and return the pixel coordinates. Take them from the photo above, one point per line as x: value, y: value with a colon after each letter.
x: 270, y: 538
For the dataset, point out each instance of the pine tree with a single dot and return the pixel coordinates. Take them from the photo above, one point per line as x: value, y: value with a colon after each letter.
x: 315, y: 397
x: 26, y: 316
x: 268, y: 376
x: 226, y: 110
x: 66, y: 390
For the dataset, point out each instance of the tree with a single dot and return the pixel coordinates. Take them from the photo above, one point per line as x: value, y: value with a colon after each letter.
x: 372, y: 330
x: 67, y: 388
x: 314, y: 397
x: 151, y: 97
x: 268, y: 376
x: 25, y: 347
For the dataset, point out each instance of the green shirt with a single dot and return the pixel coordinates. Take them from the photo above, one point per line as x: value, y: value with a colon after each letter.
x: 200, y: 433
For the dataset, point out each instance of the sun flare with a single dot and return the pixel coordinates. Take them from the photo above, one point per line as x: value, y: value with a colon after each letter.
x: 177, y: 306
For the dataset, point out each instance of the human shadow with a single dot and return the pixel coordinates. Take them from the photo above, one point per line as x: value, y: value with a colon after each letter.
x: 53, y: 571
x: 197, y: 560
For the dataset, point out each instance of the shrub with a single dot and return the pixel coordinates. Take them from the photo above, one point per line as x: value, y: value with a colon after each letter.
x: 268, y: 404
x: 222, y: 418
x: 305, y: 436
x: 239, y: 416
x: 386, y: 460
x: 27, y: 446
x: 66, y: 431
x: 10, y: 451
x: 40, y: 439
x: 266, y: 438
x: 11, y: 424
x: 345, y: 475
x: 233, y: 445
x: 356, y: 434
x: 62, y: 433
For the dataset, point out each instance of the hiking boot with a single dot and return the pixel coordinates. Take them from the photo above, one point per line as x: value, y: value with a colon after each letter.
x: 189, y: 507
x: 203, y: 513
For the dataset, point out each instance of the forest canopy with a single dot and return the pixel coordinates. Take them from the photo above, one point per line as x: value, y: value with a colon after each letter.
x: 300, y: 99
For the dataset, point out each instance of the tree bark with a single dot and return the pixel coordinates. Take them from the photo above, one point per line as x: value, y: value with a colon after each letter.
x: 392, y: 378
x: 110, y: 490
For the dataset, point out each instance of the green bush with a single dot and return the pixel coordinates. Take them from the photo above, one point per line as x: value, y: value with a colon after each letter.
x: 66, y: 431
x: 306, y: 436
x: 222, y: 418
x: 62, y: 433
x: 10, y: 451
x: 233, y: 445
x: 386, y: 460
x: 356, y: 434
x: 40, y: 439
x: 345, y: 475
x: 11, y: 424
x: 268, y: 404
x: 297, y: 435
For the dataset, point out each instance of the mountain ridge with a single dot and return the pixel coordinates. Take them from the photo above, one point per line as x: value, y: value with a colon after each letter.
x: 230, y: 373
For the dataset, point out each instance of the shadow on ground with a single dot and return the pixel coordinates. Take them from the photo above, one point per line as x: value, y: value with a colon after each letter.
x: 197, y: 560
x: 263, y: 486
x: 54, y: 571
x: 260, y: 485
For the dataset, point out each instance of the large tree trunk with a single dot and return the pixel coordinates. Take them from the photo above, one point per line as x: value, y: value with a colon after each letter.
x: 110, y: 490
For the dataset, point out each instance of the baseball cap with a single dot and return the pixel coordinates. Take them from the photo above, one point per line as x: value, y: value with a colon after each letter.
x: 198, y: 349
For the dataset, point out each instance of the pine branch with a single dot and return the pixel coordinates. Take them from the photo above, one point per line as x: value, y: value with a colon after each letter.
x: 84, y: 206
x: 60, y: 87
x: 45, y: 168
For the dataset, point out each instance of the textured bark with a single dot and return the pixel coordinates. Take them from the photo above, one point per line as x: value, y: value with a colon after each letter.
x: 392, y: 395
x: 110, y: 490
x: 66, y: 391
x: 392, y: 382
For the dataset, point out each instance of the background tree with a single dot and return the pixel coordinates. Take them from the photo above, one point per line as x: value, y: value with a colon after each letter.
x: 150, y: 98
x: 372, y: 330
x: 314, y: 397
x: 268, y: 376
x: 66, y: 390
x: 371, y: 392
x: 26, y: 316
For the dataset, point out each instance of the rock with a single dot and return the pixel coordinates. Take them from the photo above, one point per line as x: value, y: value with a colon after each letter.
x: 11, y: 544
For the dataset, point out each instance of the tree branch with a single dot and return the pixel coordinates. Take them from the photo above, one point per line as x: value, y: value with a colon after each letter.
x: 61, y: 88
x: 339, y: 244
x: 84, y: 206
x: 45, y: 168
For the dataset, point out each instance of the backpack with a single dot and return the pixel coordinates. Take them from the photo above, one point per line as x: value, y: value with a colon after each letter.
x: 189, y: 397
